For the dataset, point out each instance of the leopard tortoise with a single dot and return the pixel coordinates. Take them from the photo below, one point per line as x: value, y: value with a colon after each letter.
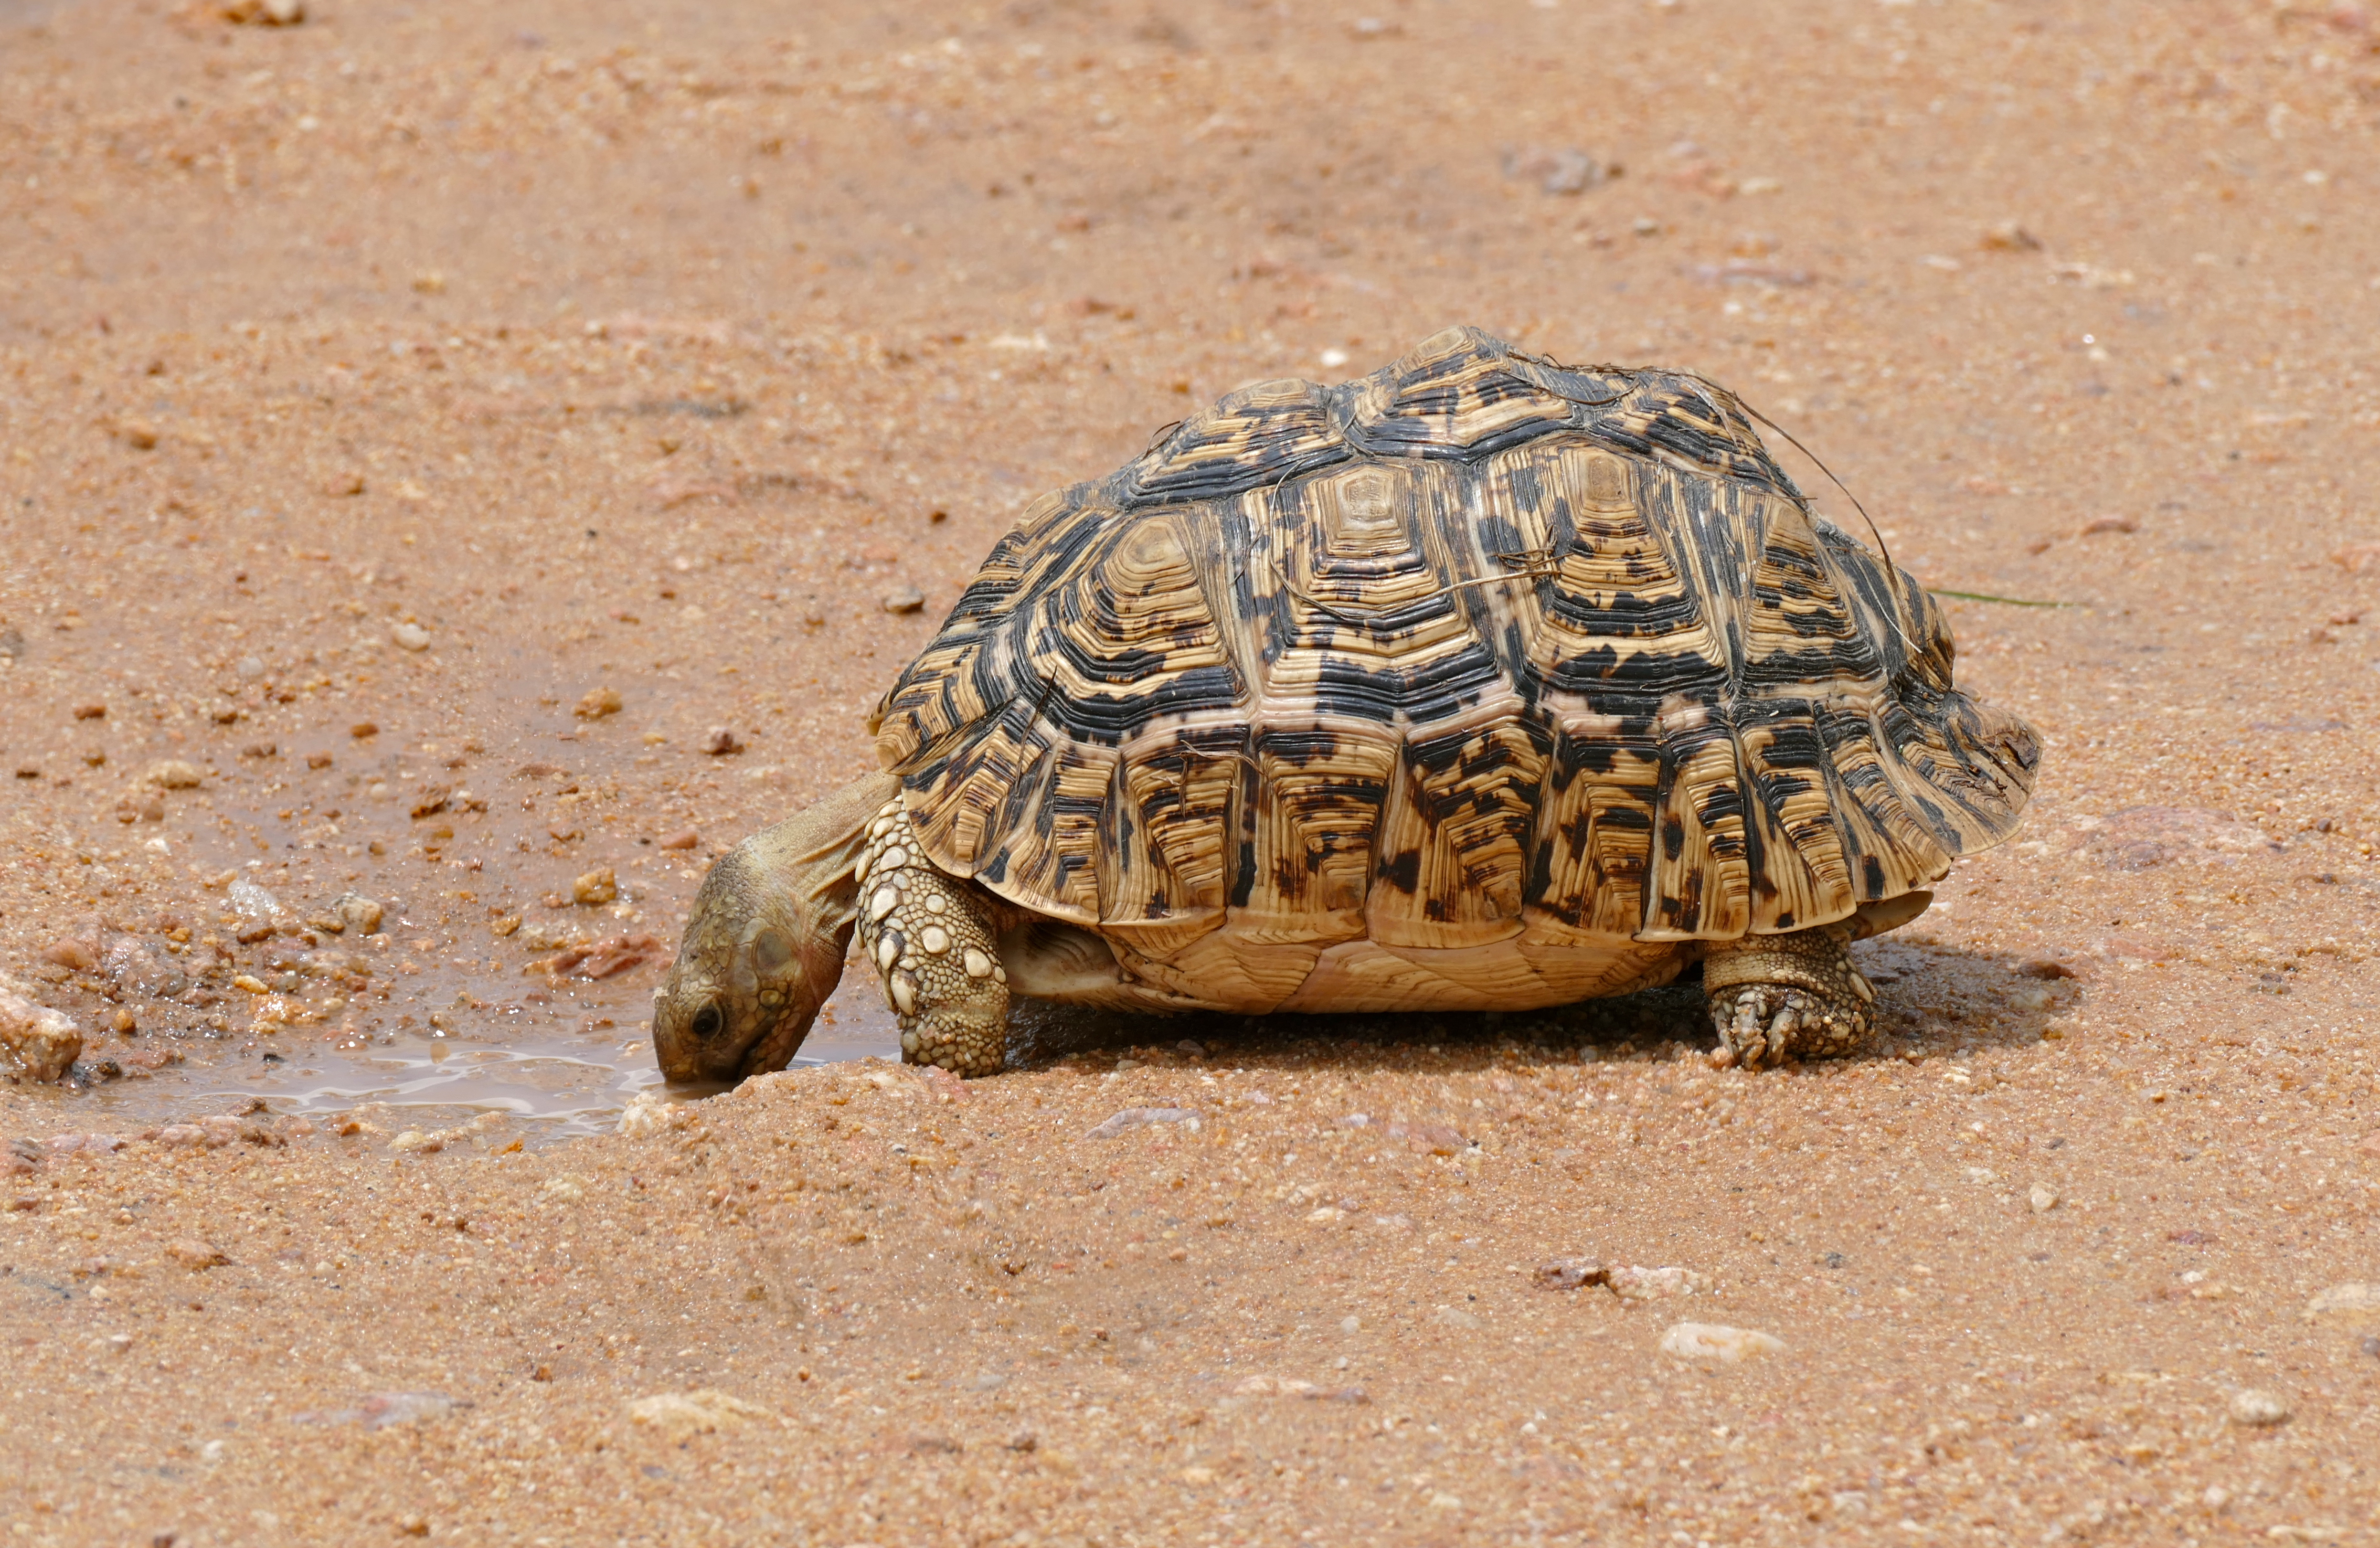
x: 1478, y: 683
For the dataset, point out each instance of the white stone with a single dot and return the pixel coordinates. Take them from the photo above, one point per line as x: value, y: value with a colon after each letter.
x: 253, y: 900
x: 649, y: 1112
x: 41, y: 1041
x: 1717, y: 1341
x: 1634, y: 1282
x: 680, y: 1416
x: 2356, y: 1306
x: 2259, y: 1409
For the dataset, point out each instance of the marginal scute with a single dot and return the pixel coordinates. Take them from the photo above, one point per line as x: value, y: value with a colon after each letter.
x: 1480, y: 655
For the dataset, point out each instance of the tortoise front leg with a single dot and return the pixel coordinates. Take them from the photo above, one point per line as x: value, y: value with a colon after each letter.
x: 1794, y: 995
x: 932, y: 939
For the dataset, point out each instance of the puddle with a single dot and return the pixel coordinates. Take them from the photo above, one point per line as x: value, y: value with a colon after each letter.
x: 562, y: 1085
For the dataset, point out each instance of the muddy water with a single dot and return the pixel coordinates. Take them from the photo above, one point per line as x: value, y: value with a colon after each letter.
x: 558, y: 1085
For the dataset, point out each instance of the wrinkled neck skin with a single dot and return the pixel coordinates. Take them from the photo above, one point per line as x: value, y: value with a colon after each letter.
x: 764, y: 945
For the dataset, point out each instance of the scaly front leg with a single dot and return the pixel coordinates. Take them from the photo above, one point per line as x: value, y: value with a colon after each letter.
x: 932, y: 939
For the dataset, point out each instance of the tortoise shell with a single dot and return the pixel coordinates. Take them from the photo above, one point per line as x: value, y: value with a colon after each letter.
x: 1480, y: 660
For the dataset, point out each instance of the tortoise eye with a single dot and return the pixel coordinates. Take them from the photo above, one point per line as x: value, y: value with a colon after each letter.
x: 707, y: 1021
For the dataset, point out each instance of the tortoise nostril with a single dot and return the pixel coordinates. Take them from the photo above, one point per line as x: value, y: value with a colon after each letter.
x: 707, y: 1021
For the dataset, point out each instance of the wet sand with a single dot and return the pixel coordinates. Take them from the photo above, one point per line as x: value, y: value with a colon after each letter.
x: 424, y: 435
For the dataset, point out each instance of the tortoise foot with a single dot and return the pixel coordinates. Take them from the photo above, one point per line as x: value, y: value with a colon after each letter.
x: 1774, y: 997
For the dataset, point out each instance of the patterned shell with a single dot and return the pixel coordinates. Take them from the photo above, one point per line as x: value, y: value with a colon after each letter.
x: 1475, y: 645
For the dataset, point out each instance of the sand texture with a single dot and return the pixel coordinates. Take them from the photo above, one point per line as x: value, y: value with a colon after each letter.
x: 460, y: 469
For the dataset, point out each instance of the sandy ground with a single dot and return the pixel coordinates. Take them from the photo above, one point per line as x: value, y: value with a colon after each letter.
x: 385, y: 398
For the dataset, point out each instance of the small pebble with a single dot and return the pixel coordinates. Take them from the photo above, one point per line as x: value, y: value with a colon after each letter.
x: 138, y: 434
x: 363, y: 729
x: 195, y: 1255
x: 2258, y: 1409
x: 680, y: 1416
x: 1568, y: 1274
x: 2349, y: 1306
x: 42, y: 1042
x: 595, y: 888
x: 71, y: 951
x: 1717, y: 1341
x: 410, y: 636
x: 719, y: 742
x: 173, y: 774
x: 1133, y: 1117
x: 253, y: 901
x: 908, y: 598
x: 1631, y: 1282
x: 355, y: 912
x: 598, y: 703
x: 2008, y: 236
x: 2043, y: 1198
x: 685, y: 838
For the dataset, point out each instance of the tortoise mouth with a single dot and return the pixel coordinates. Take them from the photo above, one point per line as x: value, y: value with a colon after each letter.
x: 775, y: 1048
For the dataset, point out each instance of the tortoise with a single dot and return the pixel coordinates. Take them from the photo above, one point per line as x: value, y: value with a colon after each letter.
x: 1479, y: 683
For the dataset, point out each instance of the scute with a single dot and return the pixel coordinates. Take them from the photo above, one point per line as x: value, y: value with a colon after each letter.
x: 1262, y: 433
x: 1430, y: 678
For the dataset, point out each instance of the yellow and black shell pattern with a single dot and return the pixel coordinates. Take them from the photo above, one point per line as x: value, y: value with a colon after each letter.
x: 1473, y: 649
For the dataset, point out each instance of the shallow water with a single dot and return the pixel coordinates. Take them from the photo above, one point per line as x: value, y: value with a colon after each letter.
x: 560, y: 1085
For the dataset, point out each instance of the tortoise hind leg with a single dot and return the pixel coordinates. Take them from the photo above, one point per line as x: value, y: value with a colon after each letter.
x: 932, y: 939
x: 1793, y: 995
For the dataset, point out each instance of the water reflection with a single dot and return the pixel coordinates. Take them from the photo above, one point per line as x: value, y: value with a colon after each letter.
x: 565, y: 1085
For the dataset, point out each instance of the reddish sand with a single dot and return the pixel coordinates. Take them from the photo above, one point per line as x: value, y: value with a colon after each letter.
x: 437, y: 371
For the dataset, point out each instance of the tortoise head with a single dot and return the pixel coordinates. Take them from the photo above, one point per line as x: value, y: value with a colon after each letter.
x: 764, y: 946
